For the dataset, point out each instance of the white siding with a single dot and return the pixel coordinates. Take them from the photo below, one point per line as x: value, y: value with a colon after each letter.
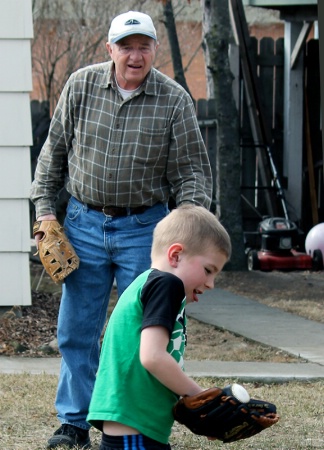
x: 16, y: 20
x: 14, y: 179
x: 15, y: 119
x: 15, y: 279
x: 16, y: 31
x: 15, y: 235
x: 15, y: 75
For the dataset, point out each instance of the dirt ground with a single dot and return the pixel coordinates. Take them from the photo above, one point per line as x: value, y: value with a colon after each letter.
x: 31, y: 330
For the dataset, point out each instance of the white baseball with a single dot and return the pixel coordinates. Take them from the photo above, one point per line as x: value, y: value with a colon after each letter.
x: 240, y: 393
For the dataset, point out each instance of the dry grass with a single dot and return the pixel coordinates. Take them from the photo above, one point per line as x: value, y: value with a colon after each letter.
x: 310, y: 309
x: 27, y: 416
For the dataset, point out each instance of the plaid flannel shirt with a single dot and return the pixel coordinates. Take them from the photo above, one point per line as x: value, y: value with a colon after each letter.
x: 110, y: 151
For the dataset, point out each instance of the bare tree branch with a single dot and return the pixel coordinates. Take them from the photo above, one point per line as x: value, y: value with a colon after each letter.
x: 69, y: 35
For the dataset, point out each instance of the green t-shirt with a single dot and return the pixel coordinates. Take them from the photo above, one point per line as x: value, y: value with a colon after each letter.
x: 125, y: 391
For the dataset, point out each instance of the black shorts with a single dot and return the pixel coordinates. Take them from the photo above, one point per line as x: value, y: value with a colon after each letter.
x: 131, y: 442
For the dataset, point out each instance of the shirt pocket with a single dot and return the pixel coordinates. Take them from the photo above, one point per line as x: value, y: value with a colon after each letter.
x: 152, y: 146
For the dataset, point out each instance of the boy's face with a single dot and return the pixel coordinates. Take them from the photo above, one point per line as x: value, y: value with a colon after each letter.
x: 198, y: 272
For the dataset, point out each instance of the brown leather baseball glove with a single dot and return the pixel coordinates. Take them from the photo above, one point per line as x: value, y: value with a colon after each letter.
x: 55, y: 251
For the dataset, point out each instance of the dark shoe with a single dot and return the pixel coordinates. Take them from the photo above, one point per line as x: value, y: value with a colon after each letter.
x: 70, y: 436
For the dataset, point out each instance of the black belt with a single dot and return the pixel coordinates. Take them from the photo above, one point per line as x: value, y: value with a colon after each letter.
x: 119, y: 211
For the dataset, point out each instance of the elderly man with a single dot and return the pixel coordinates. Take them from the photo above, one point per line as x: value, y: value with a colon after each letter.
x: 123, y: 139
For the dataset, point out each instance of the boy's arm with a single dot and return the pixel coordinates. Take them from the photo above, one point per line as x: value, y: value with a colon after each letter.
x: 156, y: 360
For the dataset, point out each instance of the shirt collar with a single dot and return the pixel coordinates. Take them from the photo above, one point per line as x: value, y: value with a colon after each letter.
x: 149, y: 86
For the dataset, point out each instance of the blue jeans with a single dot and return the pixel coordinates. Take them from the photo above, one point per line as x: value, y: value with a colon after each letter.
x: 108, y: 248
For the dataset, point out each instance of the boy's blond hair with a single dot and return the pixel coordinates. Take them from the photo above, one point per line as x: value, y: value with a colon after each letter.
x: 194, y: 227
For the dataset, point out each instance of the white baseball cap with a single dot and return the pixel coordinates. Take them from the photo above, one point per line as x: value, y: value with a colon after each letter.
x: 132, y: 22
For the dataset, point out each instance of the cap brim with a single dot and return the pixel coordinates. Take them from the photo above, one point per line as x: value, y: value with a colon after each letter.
x: 122, y: 36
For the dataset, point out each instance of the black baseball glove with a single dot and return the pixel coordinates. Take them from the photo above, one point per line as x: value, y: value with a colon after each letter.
x: 227, y: 414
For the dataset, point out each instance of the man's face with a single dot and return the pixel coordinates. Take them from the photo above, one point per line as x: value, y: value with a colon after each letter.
x: 133, y: 57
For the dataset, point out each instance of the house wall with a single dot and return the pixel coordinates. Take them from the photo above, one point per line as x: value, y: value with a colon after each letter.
x: 16, y: 31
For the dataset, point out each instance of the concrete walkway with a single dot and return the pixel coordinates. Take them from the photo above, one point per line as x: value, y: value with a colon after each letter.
x: 243, y: 371
x: 260, y: 323
x: 244, y: 317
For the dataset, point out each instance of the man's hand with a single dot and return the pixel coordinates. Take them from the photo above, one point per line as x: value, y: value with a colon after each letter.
x: 55, y: 251
x: 38, y: 236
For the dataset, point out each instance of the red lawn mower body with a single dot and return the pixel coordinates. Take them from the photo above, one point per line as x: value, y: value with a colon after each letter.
x: 279, y: 239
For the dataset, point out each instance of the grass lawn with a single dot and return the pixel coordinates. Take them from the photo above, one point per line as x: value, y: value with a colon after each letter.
x: 28, y: 417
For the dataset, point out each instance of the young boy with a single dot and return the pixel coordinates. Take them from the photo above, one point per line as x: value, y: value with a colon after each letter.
x: 140, y: 374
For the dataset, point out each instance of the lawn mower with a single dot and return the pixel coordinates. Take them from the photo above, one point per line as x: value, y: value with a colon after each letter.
x: 279, y: 239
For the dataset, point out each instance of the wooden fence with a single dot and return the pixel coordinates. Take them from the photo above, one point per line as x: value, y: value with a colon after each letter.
x: 313, y: 164
x: 269, y: 56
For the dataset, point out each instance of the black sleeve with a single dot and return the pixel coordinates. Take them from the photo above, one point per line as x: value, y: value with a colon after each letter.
x: 161, y: 297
